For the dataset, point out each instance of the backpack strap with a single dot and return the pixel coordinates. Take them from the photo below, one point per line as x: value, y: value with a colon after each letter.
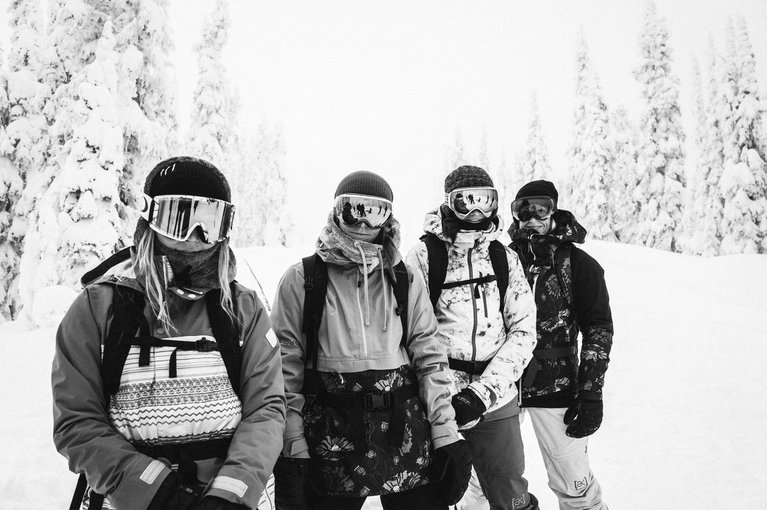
x: 127, y: 322
x: 103, y: 267
x: 500, y: 264
x: 400, y: 285
x: 315, y: 289
x: 227, y: 334
x: 437, y: 256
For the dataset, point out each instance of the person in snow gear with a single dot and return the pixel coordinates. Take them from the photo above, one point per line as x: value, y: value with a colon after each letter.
x: 486, y: 317
x: 167, y: 383
x: 563, y: 396
x: 367, y: 385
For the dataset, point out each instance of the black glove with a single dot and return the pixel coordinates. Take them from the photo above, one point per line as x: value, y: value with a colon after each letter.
x: 174, y: 495
x: 215, y: 503
x: 468, y: 406
x: 584, y: 417
x: 451, y: 466
x: 289, y: 483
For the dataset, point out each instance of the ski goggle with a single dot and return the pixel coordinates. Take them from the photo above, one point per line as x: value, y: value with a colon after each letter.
x: 177, y: 216
x: 527, y: 208
x: 464, y: 201
x: 354, y: 209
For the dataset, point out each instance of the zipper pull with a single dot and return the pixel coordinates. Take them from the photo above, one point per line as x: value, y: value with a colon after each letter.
x: 476, y: 287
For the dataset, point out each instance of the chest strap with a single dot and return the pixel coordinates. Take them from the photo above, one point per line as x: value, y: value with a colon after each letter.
x: 470, y: 367
x: 367, y: 402
x: 541, y: 354
x: 147, y: 342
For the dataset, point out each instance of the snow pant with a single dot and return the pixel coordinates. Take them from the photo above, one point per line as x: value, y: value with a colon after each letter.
x: 567, y: 461
x: 423, y: 497
x: 499, y: 460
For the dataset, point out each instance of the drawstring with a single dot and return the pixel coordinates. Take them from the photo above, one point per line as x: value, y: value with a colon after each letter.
x: 385, y: 291
x: 365, y: 277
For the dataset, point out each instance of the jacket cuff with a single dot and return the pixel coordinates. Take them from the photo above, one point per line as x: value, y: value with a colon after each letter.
x: 443, y: 435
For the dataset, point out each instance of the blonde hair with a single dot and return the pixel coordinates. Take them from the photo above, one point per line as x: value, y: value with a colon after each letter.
x: 155, y: 284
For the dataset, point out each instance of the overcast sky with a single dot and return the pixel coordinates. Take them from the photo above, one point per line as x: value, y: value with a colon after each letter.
x: 385, y: 85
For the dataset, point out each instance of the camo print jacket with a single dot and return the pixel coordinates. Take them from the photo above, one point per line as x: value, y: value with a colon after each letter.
x: 571, y: 296
x: 471, y: 325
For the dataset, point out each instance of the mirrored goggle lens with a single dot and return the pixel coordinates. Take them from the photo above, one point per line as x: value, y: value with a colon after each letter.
x: 524, y: 209
x: 177, y: 216
x: 353, y: 209
x: 464, y: 201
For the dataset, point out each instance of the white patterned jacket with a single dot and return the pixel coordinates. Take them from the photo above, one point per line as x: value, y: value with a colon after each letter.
x: 471, y: 326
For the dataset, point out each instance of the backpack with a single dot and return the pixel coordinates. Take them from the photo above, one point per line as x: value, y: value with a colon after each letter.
x: 127, y: 320
x: 437, y: 256
x: 315, y: 290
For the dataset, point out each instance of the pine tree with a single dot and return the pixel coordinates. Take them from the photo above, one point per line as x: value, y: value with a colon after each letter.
x: 213, y: 129
x: 625, y: 179
x: 536, y: 160
x: 661, y: 154
x: 694, y: 211
x: 744, y: 179
x: 82, y: 211
x: 592, y: 153
x: 25, y: 136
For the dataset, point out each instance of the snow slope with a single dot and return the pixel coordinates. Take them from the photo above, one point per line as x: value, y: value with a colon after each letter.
x: 684, y: 411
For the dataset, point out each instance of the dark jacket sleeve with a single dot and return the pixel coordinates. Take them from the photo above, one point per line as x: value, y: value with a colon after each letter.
x: 82, y: 431
x: 592, y: 311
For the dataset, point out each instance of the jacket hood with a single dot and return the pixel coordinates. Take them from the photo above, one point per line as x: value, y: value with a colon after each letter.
x: 335, y: 246
x: 437, y: 223
x: 566, y: 230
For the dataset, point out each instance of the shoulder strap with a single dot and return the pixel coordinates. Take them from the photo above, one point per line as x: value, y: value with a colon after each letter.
x: 127, y: 320
x: 103, y: 267
x: 315, y: 289
x: 227, y: 334
x: 437, y: 256
x: 500, y: 264
x: 400, y: 284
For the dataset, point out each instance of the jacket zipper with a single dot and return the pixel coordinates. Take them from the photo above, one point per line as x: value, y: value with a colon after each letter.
x: 362, y: 319
x: 474, y: 327
x: 484, y: 294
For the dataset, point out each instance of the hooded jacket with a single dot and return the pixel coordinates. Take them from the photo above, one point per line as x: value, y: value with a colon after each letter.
x: 96, y: 436
x: 471, y: 325
x: 360, y: 329
x: 571, y: 294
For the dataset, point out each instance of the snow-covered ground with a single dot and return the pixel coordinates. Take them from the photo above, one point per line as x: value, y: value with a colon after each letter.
x: 685, y: 412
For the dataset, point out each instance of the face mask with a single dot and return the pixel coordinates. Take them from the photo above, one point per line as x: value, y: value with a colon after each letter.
x: 360, y: 231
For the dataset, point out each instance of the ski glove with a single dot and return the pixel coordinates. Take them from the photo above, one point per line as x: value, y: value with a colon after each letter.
x: 214, y: 503
x: 290, y: 483
x: 174, y: 495
x: 451, y: 466
x: 584, y: 417
x: 468, y: 406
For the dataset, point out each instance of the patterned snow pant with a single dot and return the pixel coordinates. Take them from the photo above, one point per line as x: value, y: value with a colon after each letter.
x: 424, y: 497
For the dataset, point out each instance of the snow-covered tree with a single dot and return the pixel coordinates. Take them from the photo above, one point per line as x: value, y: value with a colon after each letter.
x: 455, y: 154
x: 535, y: 164
x: 260, y: 191
x: 661, y: 154
x: 625, y: 179
x: 213, y: 129
x: 744, y: 179
x: 592, y: 153
x: 83, y: 213
x: 25, y: 136
x: 483, y: 160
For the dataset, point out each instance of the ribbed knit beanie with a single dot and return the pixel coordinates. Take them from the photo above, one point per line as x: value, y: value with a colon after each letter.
x: 538, y: 188
x: 365, y: 183
x: 467, y: 176
x: 184, y: 175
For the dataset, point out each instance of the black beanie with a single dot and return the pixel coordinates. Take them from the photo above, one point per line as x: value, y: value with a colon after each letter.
x: 467, y: 177
x: 365, y: 183
x: 184, y: 175
x: 539, y: 188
